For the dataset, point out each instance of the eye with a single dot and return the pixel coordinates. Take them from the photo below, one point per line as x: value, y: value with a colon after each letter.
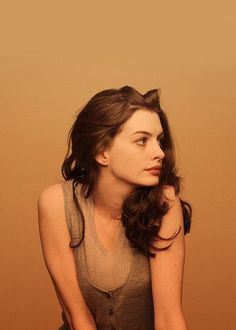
x: 141, y: 141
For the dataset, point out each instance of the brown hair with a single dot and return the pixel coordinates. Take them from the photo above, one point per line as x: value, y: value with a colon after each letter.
x: 96, y: 125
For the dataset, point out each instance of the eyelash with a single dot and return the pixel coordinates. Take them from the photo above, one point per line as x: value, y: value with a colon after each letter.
x: 145, y: 139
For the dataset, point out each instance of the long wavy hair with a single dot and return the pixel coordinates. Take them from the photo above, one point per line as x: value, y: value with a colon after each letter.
x: 95, y: 127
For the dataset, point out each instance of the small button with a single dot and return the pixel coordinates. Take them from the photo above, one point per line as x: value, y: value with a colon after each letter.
x: 111, y: 311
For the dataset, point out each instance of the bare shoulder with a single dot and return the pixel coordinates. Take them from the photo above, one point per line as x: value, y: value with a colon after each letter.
x: 51, y: 198
x: 169, y: 195
x: 51, y: 204
x: 51, y: 195
x: 172, y: 221
x: 52, y: 220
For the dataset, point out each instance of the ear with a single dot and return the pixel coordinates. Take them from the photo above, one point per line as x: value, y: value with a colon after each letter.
x: 103, y: 158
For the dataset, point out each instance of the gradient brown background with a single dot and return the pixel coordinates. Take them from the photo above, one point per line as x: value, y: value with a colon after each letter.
x: 54, y: 56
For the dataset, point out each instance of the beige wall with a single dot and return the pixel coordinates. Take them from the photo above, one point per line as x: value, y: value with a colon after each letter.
x: 54, y: 56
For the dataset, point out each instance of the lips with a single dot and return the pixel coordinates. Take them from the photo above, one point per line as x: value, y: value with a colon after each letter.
x: 154, y: 168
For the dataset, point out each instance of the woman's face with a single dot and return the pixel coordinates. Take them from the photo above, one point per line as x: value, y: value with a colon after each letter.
x: 136, y: 149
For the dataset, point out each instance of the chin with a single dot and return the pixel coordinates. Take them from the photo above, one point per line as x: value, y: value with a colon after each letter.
x: 144, y: 182
x: 150, y: 183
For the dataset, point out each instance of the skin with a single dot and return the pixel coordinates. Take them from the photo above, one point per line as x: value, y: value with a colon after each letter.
x: 124, y: 164
x: 123, y: 167
x: 139, y: 151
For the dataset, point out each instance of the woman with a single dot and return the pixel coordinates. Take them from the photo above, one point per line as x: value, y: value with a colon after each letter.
x: 112, y: 232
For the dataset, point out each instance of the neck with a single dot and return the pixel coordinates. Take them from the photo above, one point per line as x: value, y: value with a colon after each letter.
x: 108, y: 196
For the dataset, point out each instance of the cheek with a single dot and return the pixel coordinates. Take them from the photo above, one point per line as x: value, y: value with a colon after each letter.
x: 127, y: 156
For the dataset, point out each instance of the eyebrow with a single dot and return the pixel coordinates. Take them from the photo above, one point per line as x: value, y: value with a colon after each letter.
x: 148, y: 133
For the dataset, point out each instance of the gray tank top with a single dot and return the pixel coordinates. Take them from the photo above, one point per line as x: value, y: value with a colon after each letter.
x: 116, y: 285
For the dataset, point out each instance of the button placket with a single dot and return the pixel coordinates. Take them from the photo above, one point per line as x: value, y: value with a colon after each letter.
x: 111, y: 310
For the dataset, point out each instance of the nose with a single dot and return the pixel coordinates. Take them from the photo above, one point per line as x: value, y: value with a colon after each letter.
x: 158, y: 152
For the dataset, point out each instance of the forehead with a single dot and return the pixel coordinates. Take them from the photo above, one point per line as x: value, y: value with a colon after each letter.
x: 143, y: 120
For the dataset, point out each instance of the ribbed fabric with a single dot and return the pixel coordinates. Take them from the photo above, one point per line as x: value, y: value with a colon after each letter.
x: 116, y: 285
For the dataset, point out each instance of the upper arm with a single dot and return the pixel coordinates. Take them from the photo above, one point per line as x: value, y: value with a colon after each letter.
x: 58, y: 256
x: 167, y: 266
